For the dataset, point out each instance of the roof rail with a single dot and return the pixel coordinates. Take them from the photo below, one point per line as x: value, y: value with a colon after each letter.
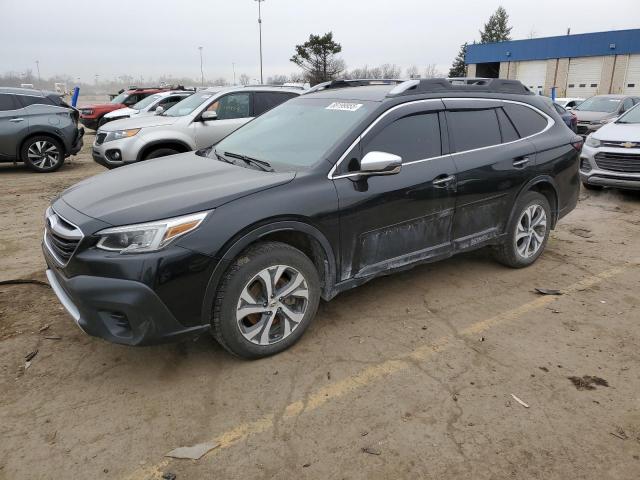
x: 295, y: 87
x: 463, y: 84
x: 356, y: 82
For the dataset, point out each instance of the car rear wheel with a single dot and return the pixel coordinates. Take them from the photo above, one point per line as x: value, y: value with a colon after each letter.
x: 528, y: 232
x: 266, y: 300
x: 160, y: 152
x: 42, y: 154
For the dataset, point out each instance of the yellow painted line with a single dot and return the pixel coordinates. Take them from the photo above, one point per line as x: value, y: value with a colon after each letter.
x: 373, y: 373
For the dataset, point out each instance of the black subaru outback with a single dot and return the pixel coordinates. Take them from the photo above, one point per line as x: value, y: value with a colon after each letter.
x: 317, y: 196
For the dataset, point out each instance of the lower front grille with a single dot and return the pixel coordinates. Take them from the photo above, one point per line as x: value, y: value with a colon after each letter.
x: 618, y: 162
x: 61, y: 237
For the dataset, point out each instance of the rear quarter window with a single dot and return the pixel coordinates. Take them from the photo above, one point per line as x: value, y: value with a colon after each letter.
x: 526, y: 120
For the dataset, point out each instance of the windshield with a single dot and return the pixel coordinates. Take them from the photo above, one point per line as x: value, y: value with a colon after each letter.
x: 120, y: 98
x: 189, y: 104
x: 145, y: 102
x: 599, y: 104
x: 632, y: 116
x: 298, y: 133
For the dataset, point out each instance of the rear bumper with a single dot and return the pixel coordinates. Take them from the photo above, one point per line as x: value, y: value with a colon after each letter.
x: 117, y: 310
x: 78, y: 142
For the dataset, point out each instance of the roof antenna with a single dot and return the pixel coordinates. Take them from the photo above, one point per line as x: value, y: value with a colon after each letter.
x: 569, y: 31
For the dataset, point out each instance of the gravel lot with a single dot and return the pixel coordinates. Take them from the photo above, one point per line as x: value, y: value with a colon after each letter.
x: 409, y: 376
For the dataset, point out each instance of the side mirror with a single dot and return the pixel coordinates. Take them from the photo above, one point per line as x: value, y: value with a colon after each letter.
x: 159, y: 110
x: 209, y: 115
x: 380, y: 163
x: 568, y: 108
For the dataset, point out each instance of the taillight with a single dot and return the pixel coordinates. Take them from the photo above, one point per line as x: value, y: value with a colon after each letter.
x: 577, y: 143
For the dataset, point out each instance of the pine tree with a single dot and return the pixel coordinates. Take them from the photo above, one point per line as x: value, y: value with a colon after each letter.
x: 497, y: 28
x: 459, y: 67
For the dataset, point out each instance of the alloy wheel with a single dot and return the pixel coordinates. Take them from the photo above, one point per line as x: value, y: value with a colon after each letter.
x: 531, y: 230
x: 43, y: 154
x: 272, y: 305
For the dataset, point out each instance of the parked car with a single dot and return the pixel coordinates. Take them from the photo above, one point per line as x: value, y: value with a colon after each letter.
x: 599, y: 110
x: 568, y: 117
x: 196, y: 122
x: 91, y: 116
x: 611, y: 156
x: 316, y: 196
x: 569, y: 102
x: 148, y: 105
x: 37, y: 128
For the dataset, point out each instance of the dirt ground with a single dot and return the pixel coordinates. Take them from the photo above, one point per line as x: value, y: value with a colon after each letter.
x: 409, y: 376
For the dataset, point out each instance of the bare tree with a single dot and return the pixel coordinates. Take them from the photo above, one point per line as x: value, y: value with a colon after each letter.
x: 413, y: 72
x: 277, y: 80
x: 431, y: 71
x: 220, y: 82
x: 245, y: 79
x: 389, y: 70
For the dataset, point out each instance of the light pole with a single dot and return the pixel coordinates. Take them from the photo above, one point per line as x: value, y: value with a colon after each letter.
x: 38, y: 66
x: 260, y: 28
x: 201, y: 70
x: 233, y: 64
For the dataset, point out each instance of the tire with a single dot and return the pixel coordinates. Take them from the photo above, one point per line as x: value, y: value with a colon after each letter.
x: 592, y: 187
x: 251, y: 326
x: 42, y: 154
x: 523, y: 245
x: 160, y: 152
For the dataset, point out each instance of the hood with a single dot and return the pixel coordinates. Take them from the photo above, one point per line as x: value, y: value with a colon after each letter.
x: 619, y: 132
x: 584, y: 116
x: 138, y: 121
x: 104, y: 107
x: 121, y: 112
x: 166, y: 187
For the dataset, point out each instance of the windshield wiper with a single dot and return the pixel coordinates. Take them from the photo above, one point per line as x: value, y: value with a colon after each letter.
x: 261, y: 164
x: 222, y: 158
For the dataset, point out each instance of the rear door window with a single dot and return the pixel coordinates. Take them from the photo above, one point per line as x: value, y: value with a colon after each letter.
x: 471, y: 129
x: 7, y: 102
x: 415, y: 137
x: 264, y: 101
x: 526, y: 120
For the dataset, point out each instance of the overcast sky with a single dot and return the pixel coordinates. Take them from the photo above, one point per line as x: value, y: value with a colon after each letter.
x: 82, y: 38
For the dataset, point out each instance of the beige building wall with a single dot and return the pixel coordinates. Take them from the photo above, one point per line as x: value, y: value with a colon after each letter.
x: 471, y: 70
x: 550, y: 77
x: 504, y: 70
x: 619, y: 73
x: 606, y: 76
x: 562, y: 74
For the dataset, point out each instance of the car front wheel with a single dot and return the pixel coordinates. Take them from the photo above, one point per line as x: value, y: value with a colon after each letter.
x: 528, y: 232
x: 42, y: 154
x: 266, y: 300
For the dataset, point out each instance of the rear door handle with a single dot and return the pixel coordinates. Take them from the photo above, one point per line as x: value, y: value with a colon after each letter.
x: 16, y: 120
x: 521, y: 162
x: 442, y: 181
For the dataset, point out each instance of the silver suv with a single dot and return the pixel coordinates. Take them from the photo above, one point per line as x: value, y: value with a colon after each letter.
x: 37, y: 128
x: 197, y: 122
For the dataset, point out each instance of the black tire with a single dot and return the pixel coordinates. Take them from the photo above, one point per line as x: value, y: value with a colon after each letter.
x: 592, y: 187
x: 226, y: 328
x: 160, y: 152
x: 42, y: 154
x: 508, y: 252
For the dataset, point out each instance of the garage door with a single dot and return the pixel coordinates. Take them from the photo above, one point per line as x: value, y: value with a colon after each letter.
x: 584, y: 77
x: 632, y: 78
x: 532, y: 75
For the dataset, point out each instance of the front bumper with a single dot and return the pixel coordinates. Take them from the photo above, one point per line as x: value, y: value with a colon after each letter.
x: 593, y: 174
x: 127, y: 149
x: 117, y: 310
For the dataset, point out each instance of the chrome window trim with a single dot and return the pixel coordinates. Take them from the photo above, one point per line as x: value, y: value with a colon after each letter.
x: 550, y: 123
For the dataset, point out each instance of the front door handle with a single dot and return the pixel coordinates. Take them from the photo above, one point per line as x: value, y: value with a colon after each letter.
x: 16, y: 120
x: 521, y: 162
x: 443, y: 181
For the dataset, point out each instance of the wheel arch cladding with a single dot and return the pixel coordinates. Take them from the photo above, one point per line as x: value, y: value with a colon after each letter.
x: 303, y: 236
x: 178, y: 145
x: 546, y: 186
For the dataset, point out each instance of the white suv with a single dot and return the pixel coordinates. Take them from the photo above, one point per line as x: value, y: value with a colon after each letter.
x: 148, y: 105
x: 197, y: 122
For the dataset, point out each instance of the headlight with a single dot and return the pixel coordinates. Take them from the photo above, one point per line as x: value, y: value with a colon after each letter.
x: 118, y: 134
x: 86, y: 111
x: 593, y: 142
x: 148, y: 237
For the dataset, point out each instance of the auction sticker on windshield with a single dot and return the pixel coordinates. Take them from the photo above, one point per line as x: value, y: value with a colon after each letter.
x: 347, y: 107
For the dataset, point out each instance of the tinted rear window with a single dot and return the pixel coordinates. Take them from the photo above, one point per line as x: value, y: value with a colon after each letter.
x: 527, y: 121
x: 473, y: 128
x: 413, y: 138
x: 509, y: 133
x: 7, y: 102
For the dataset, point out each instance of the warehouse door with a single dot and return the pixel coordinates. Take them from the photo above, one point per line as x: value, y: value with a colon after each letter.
x: 632, y: 78
x: 532, y: 74
x: 583, y: 80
